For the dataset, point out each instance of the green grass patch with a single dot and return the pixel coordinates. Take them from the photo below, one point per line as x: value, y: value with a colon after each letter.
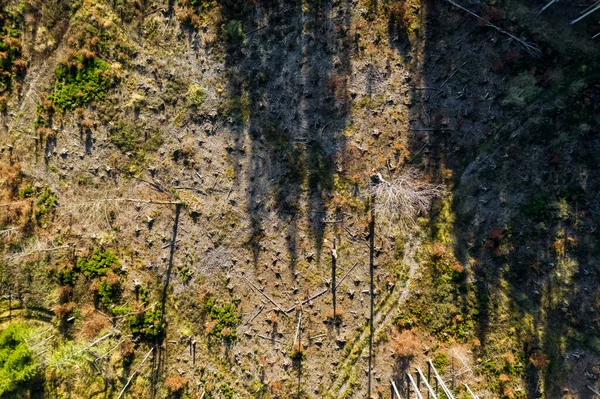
x: 136, y: 141
x: 17, y: 364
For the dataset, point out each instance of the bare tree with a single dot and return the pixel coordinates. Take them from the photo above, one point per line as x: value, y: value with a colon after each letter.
x: 404, y: 197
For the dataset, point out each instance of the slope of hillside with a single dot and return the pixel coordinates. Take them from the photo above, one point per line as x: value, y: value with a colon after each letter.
x: 183, y: 182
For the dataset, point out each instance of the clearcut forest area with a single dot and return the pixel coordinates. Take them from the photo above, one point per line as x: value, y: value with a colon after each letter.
x: 299, y: 199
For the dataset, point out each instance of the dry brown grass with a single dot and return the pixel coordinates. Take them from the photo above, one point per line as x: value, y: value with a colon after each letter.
x: 273, y: 318
x: 510, y: 358
x: 64, y: 310
x: 127, y: 350
x: 175, y: 383
x: 226, y: 332
x: 539, y: 360
x: 64, y: 293
x: 93, y: 323
x: 298, y: 351
x: 275, y: 387
x: 339, y: 315
x: 405, y: 344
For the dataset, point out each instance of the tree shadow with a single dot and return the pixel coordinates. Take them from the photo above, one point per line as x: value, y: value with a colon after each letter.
x: 523, y: 195
x: 287, y: 63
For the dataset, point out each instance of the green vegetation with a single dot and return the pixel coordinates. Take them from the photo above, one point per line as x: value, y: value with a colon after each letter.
x: 537, y: 210
x: 65, y: 276
x: 144, y: 295
x: 17, y: 365
x: 185, y: 273
x: 107, y: 293
x: 46, y: 202
x: 226, y: 391
x: 443, y: 303
x: 147, y: 325
x: 235, y: 31
x: 522, y: 90
x: 203, y: 4
x: 195, y: 95
x: 27, y: 191
x: 440, y: 361
x: 12, y: 65
x: 77, y: 86
x: 238, y: 107
x: 297, y: 352
x: 136, y: 141
x: 225, y: 318
x: 99, y: 264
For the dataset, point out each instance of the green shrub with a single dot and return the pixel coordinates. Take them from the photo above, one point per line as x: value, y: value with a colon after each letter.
x: 121, y: 310
x: 107, y: 293
x: 144, y: 295
x: 99, y: 264
x: 17, y: 365
x: 235, y: 31
x: 65, y: 276
x: 46, y: 202
x: 238, y: 107
x: 195, y: 95
x: 147, y: 325
x: 12, y: 63
x: 522, y: 90
x: 225, y: 319
x: 203, y: 4
x: 226, y: 391
x: 444, y: 264
x: 537, y: 210
x: 27, y: 191
x: 440, y: 361
x: 77, y: 87
x: 185, y: 273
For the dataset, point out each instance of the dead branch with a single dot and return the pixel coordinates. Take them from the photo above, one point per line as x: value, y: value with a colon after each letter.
x: 142, y: 201
x: 304, y: 302
x: 12, y: 203
x: 297, y: 336
x: 270, y: 339
x: 7, y: 232
x: 134, y: 313
x: 531, y: 48
x: 34, y: 250
x: 588, y: 11
x: 134, y: 373
x: 86, y: 348
x: 453, y: 73
x: 256, y: 315
x: 346, y: 275
x: 110, y: 350
x: 546, y: 6
x: 265, y: 295
x: 593, y: 390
